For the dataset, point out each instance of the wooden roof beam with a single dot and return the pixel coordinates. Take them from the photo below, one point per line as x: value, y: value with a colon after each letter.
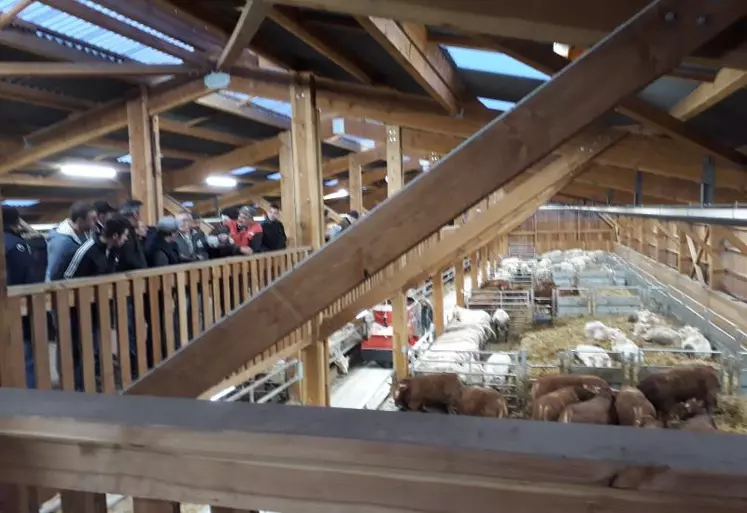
x: 252, y: 16
x: 292, y: 24
x: 86, y: 69
x: 728, y: 81
x: 360, y: 101
x: 677, y: 190
x: 8, y: 16
x: 495, y: 155
x: 89, y: 125
x: 545, y: 60
x: 397, y: 43
x: 574, y: 22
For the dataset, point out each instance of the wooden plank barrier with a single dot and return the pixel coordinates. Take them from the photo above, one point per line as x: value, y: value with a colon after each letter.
x: 316, y: 460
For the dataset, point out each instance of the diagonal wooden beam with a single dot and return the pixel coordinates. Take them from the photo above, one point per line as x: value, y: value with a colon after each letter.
x: 91, y: 124
x: 545, y: 60
x: 498, y: 153
x: 8, y: 16
x: 292, y: 24
x: 727, y: 82
x: 393, y: 38
x: 252, y: 16
x: 519, y: 200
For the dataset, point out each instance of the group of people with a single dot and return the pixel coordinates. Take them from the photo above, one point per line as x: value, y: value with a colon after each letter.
x: 98, y: 239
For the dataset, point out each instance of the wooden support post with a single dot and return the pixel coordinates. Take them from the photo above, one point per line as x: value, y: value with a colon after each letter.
x: 474, y: 270
x: 395, y: 182
x: 685, y: 261
x: 145, y: 168
x: 716, y: 269
x: 307, y: 161
x: 355, y: 183
x: 82, y: 502
x: 459, y: 281
x: 289, y: 190
x: 401, y: 334
x: 437, y: 297
x: 485, y: 262
x: 662, y: 239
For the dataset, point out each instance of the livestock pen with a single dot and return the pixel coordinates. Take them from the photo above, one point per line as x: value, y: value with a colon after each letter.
x: 608, y: 292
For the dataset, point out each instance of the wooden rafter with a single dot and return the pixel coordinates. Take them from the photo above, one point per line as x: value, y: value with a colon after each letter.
x: 500, y: 152
x: 292, y: 24
x: 533, y: 20
x: 85, y: 69
x: 639, y: 110
x: 393, y: 38
x: 252, y: 16
x: 727, y: 82
x: 95, y: 123
x: 8, y: 16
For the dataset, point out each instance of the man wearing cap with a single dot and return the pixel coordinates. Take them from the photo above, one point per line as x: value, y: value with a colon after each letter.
x: 246, y: 232
x: 161, y: 250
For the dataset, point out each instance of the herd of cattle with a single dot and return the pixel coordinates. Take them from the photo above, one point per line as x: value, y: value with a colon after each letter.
x: 683, y: 397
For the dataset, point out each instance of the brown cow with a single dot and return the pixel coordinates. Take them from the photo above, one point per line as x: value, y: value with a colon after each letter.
x: 442, y: 390
x: 598, y: 410
x: 668, y: 388
x: 633, y: 409
x: 482, y: 402
x: 550, y: 383
x: 550, y: 406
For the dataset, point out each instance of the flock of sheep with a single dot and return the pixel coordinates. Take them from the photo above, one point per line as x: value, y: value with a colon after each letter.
x: 648, y: 327
x: 682, y: 397
x: 572, y: 261
x: 461, y: 349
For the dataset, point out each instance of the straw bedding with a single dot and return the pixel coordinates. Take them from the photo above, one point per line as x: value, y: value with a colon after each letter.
x: 543, y: 344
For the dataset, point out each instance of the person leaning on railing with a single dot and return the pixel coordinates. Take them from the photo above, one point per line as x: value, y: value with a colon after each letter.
x: 20, y: 271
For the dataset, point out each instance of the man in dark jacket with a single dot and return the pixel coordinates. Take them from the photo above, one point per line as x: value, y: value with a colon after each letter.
x: 67, y: 237
x: 104, y: 211
x: 273, y: 231
x: 98, y: 256
x: 20, y: 271
x: 161, y: 250
x: 132, y: 255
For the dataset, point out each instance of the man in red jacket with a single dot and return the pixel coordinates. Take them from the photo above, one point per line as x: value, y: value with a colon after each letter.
x: 246, y: 232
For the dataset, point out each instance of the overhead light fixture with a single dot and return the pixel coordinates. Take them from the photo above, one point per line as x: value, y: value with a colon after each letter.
x: 88, y: 171
x: 342, y: 193
x: 221, y: 181
x: 561, y: 49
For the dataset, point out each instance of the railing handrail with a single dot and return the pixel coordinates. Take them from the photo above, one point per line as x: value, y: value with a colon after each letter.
x: 109, y: 279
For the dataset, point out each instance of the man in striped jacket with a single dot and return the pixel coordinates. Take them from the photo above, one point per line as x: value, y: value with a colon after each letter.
x: 99, y: 255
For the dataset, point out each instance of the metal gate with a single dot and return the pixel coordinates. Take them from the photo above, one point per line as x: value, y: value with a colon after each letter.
x: 524, y: 251
x: 516, y: 303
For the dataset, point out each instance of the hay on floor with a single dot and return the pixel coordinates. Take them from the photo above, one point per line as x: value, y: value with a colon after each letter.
x: 543, y: 344
x: 731, y: 414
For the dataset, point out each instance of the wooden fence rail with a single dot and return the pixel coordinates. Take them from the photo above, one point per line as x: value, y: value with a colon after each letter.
x: 109, y: 330
x: 314, y: 460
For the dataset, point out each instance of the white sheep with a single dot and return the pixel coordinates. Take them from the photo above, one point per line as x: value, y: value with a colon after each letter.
x: 543, y: 274
x: 644, y: 321
x: 564, y: 267
x: 500, y: 320
x: 695, y: 343
x: 590, y: 328
x: 496, y: 368
x: 554, y: 256
x: 624, y: 349
x: 592, y: 356
x: 662, y: 335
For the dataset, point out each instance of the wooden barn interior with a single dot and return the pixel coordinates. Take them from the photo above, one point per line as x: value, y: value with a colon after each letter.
x: 460, y: 130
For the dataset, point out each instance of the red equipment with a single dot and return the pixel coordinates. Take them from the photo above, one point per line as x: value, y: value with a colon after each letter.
x: 378, y: 346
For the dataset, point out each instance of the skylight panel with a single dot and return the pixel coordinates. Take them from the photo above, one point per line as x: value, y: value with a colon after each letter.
x: 365, y: 143
x: 332, y: 183
x: 188, y: 204
x: 492, y: 62
x: 274, y: 176
x: 20, y: 203
x: 278, y: 107
x: 76, y: 28
x: 243, y: 170
x: 125, y: 159
x: 235, y: 95
x: 137, y: 25
x: 499, y: 105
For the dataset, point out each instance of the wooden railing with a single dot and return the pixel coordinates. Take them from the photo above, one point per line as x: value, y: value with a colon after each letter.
x: 267, y: 458
x: 125, y: 324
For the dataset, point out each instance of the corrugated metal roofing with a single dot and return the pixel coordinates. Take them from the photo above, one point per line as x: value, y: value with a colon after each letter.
x: 76, y: 28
